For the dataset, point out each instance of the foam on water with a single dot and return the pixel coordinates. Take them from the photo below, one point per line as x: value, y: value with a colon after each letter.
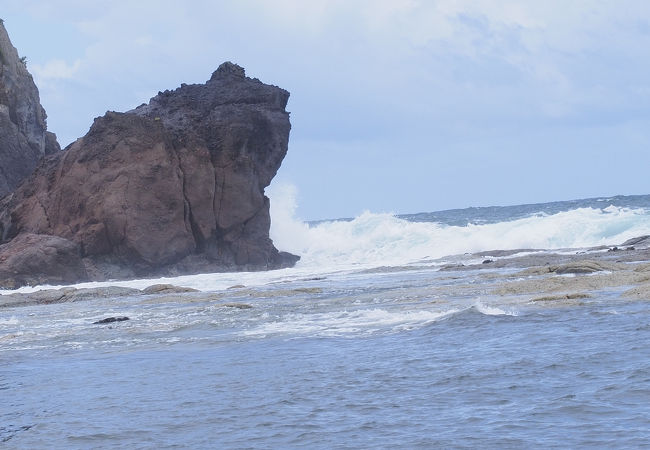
x: 373, y: 239
x: 342, y: 323
x: 491, y: 310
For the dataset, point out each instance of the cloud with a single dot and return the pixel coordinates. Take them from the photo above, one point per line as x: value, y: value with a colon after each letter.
x: 56, y: 69
x: 414, y: 75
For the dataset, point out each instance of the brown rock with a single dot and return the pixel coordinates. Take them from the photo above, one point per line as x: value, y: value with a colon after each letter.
x: 172, y: 187
x: 32, y: 259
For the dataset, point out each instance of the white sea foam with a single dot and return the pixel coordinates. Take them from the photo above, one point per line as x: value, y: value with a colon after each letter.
x: 9, y: 321
x: 382, y: 239
x: 491, y: 310
x: 341, y: 323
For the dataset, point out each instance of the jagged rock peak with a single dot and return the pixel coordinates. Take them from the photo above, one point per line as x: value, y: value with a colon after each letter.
x: 24, y: 138
x: 228, y: 69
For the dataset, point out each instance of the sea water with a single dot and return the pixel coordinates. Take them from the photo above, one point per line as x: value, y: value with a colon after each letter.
x: 364, y: 344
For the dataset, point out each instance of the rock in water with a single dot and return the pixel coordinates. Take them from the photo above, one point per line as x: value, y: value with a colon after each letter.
x: 24, y: 138
x: 110, y: 320
x: 172, y: 187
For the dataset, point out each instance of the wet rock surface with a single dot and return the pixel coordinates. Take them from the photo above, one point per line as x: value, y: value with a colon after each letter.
x: 167, y: 289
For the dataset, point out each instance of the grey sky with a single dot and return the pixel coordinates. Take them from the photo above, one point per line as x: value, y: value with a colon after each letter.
x: 397, y: 106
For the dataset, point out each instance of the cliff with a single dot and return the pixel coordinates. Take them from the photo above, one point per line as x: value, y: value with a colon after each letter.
x: 24, y: 138
x: 172, y: 187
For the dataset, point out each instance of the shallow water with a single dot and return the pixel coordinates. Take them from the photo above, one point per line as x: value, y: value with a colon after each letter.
x: 364, y: 344
x: 347, y: 367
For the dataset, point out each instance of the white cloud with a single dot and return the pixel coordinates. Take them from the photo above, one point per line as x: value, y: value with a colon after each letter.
x: 365, y: 70
x: 56, y: 69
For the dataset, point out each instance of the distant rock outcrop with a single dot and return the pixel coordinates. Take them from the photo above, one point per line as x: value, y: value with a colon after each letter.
x: 172, y: 187
x: 24, y: 138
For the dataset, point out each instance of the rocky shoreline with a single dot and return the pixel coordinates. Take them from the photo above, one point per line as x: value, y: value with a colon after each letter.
x: 557, y: 278
x: 535, y: 277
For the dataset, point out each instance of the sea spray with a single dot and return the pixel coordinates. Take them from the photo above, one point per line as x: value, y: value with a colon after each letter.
x: 375, y: 239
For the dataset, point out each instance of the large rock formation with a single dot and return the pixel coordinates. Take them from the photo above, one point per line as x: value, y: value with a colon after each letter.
x: 24, y: 138
x: 175, y: 186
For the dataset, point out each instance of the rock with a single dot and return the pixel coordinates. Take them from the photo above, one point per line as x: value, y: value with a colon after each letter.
x: 32, y: 259
x: 111, y: 320
x: 640, y: 242
x: 550, y: 298
x: 173, y: 187
x: 487, y: 261
x: 167, y: 289
x: 311, y: 290
x: 236, y: 305
x: 641, y: 292
x: 101, y: 292
x: 582, y: 267
x: 63, y: 295
x: 24, y: 138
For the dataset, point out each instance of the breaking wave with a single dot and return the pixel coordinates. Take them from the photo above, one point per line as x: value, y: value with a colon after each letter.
x: 373, y: 239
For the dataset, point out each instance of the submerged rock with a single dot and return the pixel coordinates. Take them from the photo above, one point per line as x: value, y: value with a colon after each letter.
x: 24, y: 138
x: 236, y: 305
x: 111, y: 320
x: 172, y: 187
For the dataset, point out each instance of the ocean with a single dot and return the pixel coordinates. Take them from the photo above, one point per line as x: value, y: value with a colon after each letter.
x: 369, y: 342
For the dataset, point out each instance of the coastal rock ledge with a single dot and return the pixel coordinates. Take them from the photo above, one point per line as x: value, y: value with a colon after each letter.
x: 172, y: 187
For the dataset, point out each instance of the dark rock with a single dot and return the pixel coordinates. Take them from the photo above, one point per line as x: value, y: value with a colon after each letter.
x: 110, y: 320
x: 487, y: 261
x: 170, y: 188
x: 613, y: 249
x: 24, y: 138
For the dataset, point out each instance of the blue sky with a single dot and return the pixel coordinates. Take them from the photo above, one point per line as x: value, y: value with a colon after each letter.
x: 396, y: 106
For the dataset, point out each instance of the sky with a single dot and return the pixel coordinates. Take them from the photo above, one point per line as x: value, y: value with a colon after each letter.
x: 399, y: 106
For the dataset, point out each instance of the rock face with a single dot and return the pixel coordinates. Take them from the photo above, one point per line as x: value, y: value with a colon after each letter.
x: 38, y: 259
x: 172, y: 187
x: 24, y: 138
